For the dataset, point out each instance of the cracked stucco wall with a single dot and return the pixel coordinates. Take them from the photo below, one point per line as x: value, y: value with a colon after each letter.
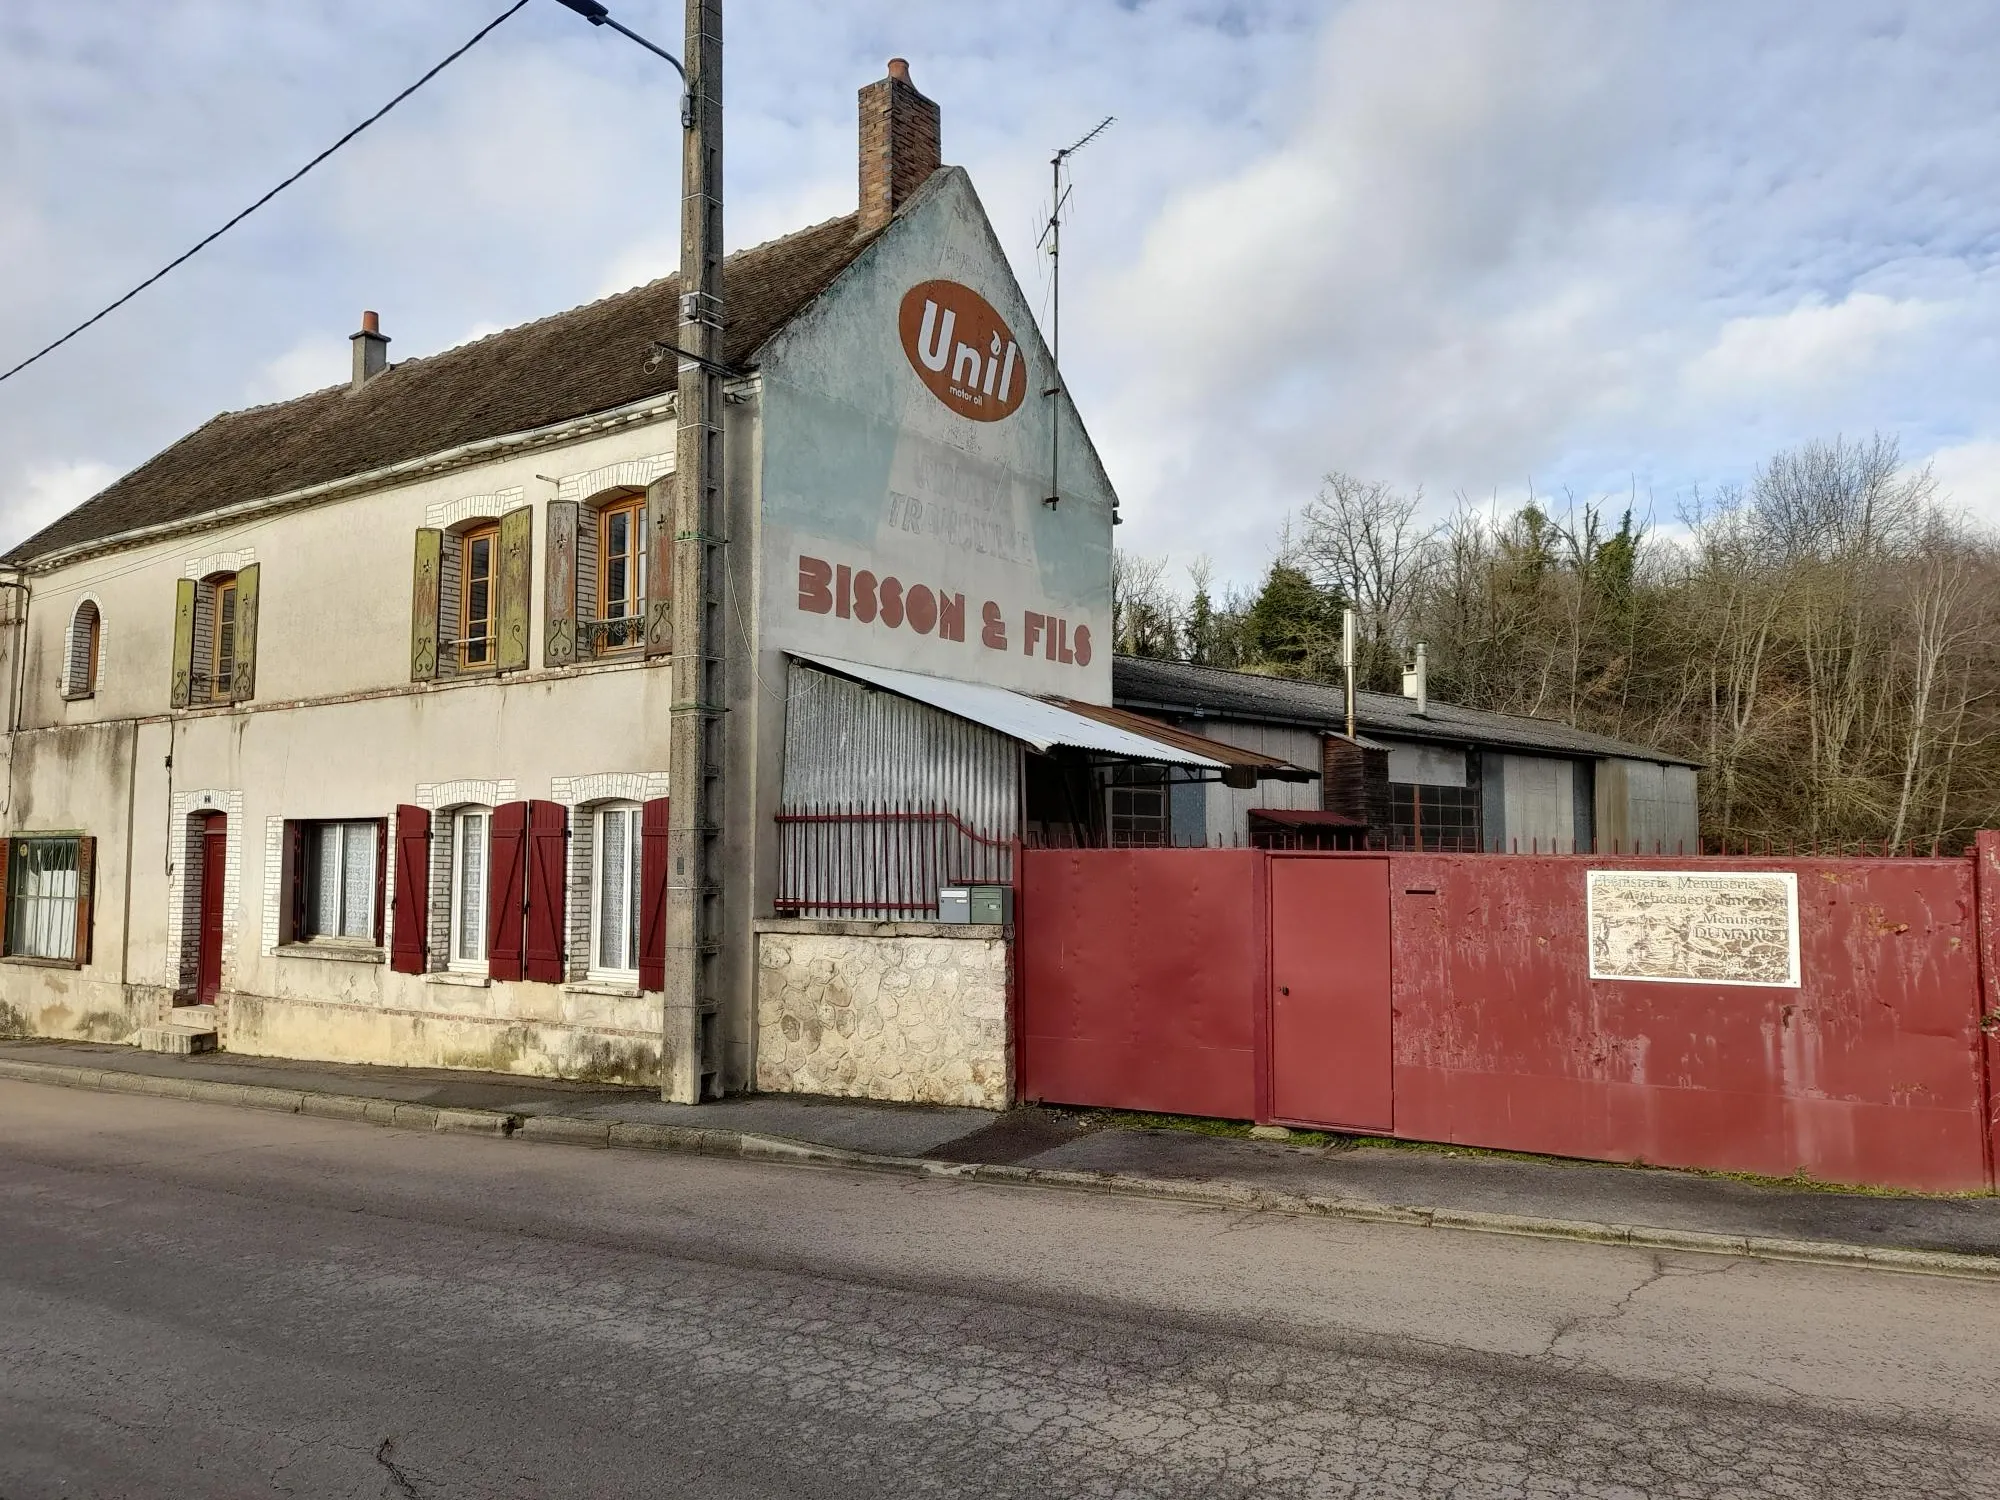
x: 909, y: 1011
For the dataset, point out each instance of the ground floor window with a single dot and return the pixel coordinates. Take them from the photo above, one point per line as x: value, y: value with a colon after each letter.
x: 468, y: 888
x: 1443, y: 818
x: 44, y: 885
x: 341, y: 869
x: 614, y: 893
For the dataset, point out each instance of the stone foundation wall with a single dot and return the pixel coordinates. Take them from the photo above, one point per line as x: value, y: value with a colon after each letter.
x: 907, y: 1011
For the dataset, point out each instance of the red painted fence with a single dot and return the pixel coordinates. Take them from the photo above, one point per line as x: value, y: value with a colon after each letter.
x: 1449, y: 998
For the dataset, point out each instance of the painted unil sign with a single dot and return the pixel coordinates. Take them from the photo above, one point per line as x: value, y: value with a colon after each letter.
x: 962, y: 350
x: 1695, y: 926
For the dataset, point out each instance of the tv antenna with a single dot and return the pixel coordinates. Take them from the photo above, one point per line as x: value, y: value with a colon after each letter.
x: 1052, y: 237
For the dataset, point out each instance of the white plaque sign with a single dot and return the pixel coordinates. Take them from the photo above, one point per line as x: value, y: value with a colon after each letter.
x: 1695, y: 926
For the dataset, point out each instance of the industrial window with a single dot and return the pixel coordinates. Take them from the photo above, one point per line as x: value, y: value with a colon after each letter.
x: 469, y: 844
x: 80, y: 661
x: 621, y: 575
x: 1442, y: 818
x: 475, y: 621
x: 614, y: 893
x: 1136, y: 807
x: 48, y: 898
x: 338, y: 879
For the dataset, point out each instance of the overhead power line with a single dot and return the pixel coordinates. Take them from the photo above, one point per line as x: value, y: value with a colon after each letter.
x: 202, y: 244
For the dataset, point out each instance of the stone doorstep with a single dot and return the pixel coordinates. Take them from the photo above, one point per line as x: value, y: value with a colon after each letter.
x: 184, y: 1041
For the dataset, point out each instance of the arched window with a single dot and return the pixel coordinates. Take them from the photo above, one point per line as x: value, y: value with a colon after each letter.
x: 85, y: 651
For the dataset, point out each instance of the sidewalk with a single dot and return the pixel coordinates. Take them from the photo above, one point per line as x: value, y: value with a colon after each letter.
x: 1429, y: 1185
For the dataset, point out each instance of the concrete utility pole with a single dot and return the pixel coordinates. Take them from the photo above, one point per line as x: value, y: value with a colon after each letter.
x: 694, y: 888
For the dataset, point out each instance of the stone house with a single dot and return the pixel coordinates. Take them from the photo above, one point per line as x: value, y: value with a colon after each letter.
x: 339, y: 728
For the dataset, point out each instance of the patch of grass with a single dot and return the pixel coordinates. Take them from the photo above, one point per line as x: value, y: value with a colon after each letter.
x: 1114, y: 1119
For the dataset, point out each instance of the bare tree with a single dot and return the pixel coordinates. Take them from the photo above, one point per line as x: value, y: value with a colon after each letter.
x: 1362, y: 541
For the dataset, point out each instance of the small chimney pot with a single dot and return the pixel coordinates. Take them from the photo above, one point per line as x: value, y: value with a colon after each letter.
x: 371, y: 351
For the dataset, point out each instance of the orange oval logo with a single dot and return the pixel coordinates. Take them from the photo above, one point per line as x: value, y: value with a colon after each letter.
x: 961, y: 349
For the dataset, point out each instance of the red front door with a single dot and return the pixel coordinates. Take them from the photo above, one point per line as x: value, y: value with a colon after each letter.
x: 1330, y: 1024
x: 214, y: 868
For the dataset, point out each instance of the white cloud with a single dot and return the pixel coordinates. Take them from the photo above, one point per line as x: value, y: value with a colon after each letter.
x: 1968, y: 476
x: 313, y: 363
x: 47, y: 491
x: 1816, y: 343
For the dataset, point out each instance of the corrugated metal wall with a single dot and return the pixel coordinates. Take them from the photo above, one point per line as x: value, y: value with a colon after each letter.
x: 886, y: 799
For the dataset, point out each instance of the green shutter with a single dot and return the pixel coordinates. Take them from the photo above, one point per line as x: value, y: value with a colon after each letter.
x: 183, y: 679
x: 660, y: 567
x: 515, y: 582
x: 559, y: 586
x: 243, y: 682
x: 424, y: 583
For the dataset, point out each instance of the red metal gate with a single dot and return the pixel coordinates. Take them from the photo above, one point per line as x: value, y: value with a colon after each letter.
x: 1330, y: 1025
x: 1243, y: 984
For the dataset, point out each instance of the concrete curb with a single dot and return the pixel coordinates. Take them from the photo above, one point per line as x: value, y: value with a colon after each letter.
x: 565, y: 1130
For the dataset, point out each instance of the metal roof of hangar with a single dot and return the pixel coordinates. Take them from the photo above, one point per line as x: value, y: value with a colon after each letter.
x: 1044, y: 725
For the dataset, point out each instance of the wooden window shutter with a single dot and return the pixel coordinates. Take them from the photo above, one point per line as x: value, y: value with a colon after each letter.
x: 410, y: 936
x: 653, y: 847
x: 183, y: 668
x: 426, y: 579
x: 86, y: 881
x: 507, y: 838
x: 513, y: 586
x: 660, y: 567
x: 559, y: 586
x: 548, y: 882
x: 6, y: 865
x: 243, y: 680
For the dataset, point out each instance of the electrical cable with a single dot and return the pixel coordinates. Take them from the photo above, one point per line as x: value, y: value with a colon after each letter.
x: 477, y: 37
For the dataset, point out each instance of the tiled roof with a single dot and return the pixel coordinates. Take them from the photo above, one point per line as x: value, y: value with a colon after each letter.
x: 1181, y: 688
x: 590, y: 359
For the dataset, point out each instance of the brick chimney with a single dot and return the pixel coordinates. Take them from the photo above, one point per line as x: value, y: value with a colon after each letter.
x: 899, y: 144
x: 371, y: 350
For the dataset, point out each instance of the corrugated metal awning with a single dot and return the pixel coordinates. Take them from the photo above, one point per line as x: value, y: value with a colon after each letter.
x: 1032, y: 721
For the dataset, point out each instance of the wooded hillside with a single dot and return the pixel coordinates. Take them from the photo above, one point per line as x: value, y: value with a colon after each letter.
x: 1825, y: 640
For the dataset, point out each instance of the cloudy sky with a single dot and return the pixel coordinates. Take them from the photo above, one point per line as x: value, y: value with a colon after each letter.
x: 1608, y: 248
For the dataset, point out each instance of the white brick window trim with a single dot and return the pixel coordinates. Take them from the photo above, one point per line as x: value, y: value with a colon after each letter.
x: 581, y: 794
x: 439, y: 795
x: 635, y: 473
x: 184, y: 883
x: 219, y: 562
x: 76, y: 650
x: 445, y: 514
x: 274, y: 876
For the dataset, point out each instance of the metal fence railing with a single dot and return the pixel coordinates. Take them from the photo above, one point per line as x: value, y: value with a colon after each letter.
x: 880, y: 861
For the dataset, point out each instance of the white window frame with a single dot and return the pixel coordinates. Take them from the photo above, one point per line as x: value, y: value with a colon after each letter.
x: 461, y: 817
x: 346, y: 828
x: 599, y: 846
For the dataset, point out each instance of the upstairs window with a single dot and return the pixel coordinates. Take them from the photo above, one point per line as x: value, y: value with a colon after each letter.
x: 215, y: 639
x: 621, y: 575
x: 85, y: 649
x: 223, y: 664
x: 475, y: 621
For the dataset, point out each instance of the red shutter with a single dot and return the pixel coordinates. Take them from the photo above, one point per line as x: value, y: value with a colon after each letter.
x: 653, y: 895
x: 508, y: 836
x: 295, y: 883
x: 381, y: 880
x: 86, y: 881
x: 413, y: 890
x: 548, y: 884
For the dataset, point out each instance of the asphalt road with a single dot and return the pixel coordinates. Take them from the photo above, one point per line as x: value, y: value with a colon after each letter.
x: 197, y: 1301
